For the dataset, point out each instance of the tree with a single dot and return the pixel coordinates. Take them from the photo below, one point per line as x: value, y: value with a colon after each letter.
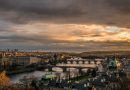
x: 4, y: 80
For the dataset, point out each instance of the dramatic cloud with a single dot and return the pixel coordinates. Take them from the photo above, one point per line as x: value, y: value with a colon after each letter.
x: 108, y: 12
x: 76, y: 25
x: 73, y: 37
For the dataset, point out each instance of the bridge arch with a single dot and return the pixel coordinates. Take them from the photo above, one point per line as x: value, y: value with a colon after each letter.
x: 74, y: 62
x: 92, y: 62
x: 86, y: 62
x: 80, y: 62
x: 57, y: 69
x: 68, y: 62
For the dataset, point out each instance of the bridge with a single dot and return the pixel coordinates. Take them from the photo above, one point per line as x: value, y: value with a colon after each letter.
x: 65, y: 67
x: 79, y: 60
x: 77, y: 63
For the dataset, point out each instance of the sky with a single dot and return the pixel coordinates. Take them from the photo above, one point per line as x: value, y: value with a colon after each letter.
x: 65, y: 25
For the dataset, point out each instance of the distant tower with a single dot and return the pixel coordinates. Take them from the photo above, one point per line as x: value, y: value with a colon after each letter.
x: 55, y: 57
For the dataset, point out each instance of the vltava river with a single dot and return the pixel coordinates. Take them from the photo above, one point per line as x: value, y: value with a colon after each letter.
x: 38, y: 74
x: 17, y: 77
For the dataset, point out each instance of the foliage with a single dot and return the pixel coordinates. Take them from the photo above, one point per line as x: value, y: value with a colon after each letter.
x: 4, y: 80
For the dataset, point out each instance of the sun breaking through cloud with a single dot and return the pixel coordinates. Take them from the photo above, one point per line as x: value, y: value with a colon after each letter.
x: 61, y: 25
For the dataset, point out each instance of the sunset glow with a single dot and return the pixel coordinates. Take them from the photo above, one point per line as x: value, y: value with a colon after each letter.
x: 73, y: 25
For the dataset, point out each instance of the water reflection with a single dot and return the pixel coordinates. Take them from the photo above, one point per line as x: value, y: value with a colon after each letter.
x: 16, y: 78
x: 72, y: 72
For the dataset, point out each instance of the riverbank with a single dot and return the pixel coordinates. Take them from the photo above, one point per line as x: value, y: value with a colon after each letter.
x: 20, y: 71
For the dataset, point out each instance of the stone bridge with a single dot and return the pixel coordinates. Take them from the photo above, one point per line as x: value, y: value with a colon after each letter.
x: 64, y: 68
x: 82, y: 62
x: 77, y: 63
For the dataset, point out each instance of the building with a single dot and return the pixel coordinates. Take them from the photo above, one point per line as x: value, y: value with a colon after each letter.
x: 25, y: 60
x: 5, y: 63
x: 44, y: 59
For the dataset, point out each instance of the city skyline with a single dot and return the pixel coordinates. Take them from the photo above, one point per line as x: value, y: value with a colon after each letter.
x: 65, y: 25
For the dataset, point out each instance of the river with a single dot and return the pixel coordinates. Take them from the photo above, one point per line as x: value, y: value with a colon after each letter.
x: 17, y: 77
x: 38, y: 74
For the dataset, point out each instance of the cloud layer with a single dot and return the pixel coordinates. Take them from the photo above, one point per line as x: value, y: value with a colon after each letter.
x: 109, y: 12
x: 76, y: 25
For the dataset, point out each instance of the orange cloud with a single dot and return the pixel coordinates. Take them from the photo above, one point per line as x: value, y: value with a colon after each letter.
x: 75, y: 32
